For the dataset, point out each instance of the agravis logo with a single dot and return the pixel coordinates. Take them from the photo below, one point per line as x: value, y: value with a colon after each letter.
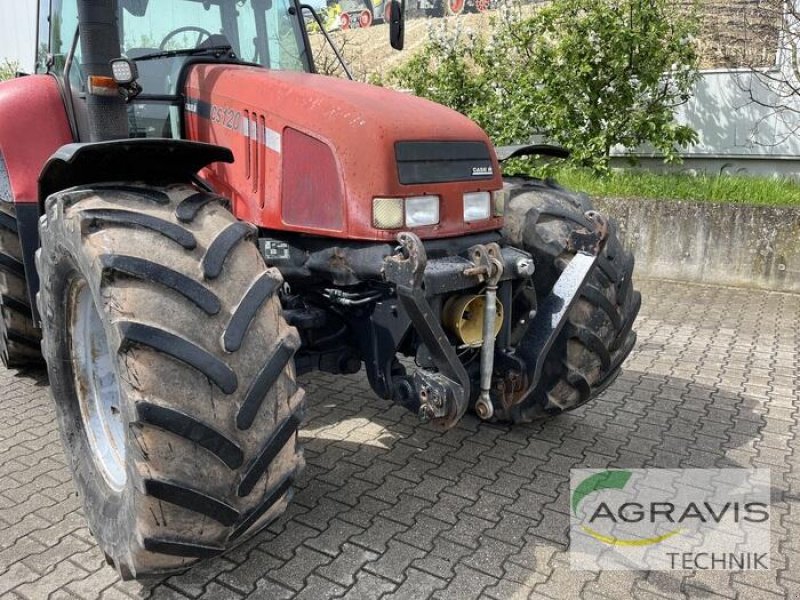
x: 608, y: 480
x: 668, y: 519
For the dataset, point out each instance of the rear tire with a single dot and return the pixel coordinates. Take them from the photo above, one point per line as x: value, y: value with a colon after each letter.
x: 591, y: 348
x: 20, y: 341
x: 171, y: 369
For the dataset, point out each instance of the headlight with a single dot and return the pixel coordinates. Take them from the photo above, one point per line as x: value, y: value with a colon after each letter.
x: 387, y: 213
x: 422, y: 210
x: 477, y: 206
x: 395, y: 213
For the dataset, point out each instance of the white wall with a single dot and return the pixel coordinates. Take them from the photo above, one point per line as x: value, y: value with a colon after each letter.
x: 18, y: 32
x: 738, y: 128
x: 729, y: 124
x: 735, y: 134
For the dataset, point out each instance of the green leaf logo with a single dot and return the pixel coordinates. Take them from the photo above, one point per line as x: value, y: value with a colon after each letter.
x: 607, y: 480
x: 610, y: 480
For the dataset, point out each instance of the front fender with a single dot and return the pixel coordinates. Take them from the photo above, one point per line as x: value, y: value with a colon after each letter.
x: 151, y: 160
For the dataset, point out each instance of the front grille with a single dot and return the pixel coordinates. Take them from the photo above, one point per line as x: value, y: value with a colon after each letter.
x: 440, y: 162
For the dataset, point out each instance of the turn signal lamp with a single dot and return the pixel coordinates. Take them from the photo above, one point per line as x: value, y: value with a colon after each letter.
x: 102, y: 86
x: 396, y: 213
x: 387, y: 213
x: 499, y: 201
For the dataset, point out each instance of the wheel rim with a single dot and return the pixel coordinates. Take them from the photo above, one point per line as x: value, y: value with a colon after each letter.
x: 97, y: 387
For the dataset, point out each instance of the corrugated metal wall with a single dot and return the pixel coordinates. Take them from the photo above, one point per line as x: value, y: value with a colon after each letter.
x: 18, y: 32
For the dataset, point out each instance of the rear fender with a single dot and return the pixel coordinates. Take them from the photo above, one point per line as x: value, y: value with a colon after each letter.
x: 33, y: 125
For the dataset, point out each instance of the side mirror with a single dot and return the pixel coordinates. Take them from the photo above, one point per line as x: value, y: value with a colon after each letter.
x: 397, y: 23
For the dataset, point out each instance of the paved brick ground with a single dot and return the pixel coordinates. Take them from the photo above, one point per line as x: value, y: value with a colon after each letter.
x: 389, y: 508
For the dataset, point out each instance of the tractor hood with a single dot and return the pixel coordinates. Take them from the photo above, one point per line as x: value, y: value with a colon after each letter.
x: 313, y: 151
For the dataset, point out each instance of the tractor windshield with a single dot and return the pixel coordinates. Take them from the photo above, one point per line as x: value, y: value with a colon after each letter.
x: 257, y: 31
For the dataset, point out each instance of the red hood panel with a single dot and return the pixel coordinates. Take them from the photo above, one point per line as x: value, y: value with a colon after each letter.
x: 360, y: 123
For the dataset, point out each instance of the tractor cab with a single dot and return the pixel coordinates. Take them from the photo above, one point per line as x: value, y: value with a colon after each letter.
x: 162, y: 38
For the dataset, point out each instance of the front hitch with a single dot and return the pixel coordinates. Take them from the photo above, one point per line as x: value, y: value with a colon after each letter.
x: 444, y: 395
x: 508, y: 377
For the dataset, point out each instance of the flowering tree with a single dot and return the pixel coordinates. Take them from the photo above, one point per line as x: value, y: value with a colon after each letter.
x: 7, y: 69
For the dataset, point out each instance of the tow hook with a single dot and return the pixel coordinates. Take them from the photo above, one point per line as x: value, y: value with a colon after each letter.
x: 488, y: 266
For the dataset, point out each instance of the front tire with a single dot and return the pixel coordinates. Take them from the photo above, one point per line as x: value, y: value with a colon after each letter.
x: 589, y: 352
x: 170, y: 366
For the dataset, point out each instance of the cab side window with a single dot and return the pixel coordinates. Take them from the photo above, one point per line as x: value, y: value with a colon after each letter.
x: 43, y: 36
x: 63, y: 27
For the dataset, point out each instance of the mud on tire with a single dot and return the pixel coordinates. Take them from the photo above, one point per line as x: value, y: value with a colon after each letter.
x: 20, y: 341
x: 590, y: 350
x: 198, y: 396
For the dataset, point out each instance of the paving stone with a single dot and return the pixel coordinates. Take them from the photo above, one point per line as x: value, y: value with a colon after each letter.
x: 468, y: 530
x: 467, y: 584
x: 318, y: 588
x: 441, y: 561
x: 293, y: 573
x: 17, y: 574
x: 266, y: 589
x: 283, y: 546
x: 93, y: 585
x: 216, y: 591
x: 490, y: 506
x: 365, y: 512
x: 378, y: 535
x: 392, y: 563
x: 388, y: 507
x: 447, y: 508
x: 66, y: 547
x: 331, y: 540
x: 417, y: 584
x: 63, y: 573
x: 407, y: 510
x: 423, y: 532
x: 344, y: 567
x: 244, y: 577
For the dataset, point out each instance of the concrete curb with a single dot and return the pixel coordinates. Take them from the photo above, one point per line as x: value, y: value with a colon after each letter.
x: 747, y: 246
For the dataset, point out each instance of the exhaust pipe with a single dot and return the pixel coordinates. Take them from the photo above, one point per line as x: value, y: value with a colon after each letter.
x: 99, y: 35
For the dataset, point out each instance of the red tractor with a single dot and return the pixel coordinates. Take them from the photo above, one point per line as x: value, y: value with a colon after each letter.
x: 191, y: 217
